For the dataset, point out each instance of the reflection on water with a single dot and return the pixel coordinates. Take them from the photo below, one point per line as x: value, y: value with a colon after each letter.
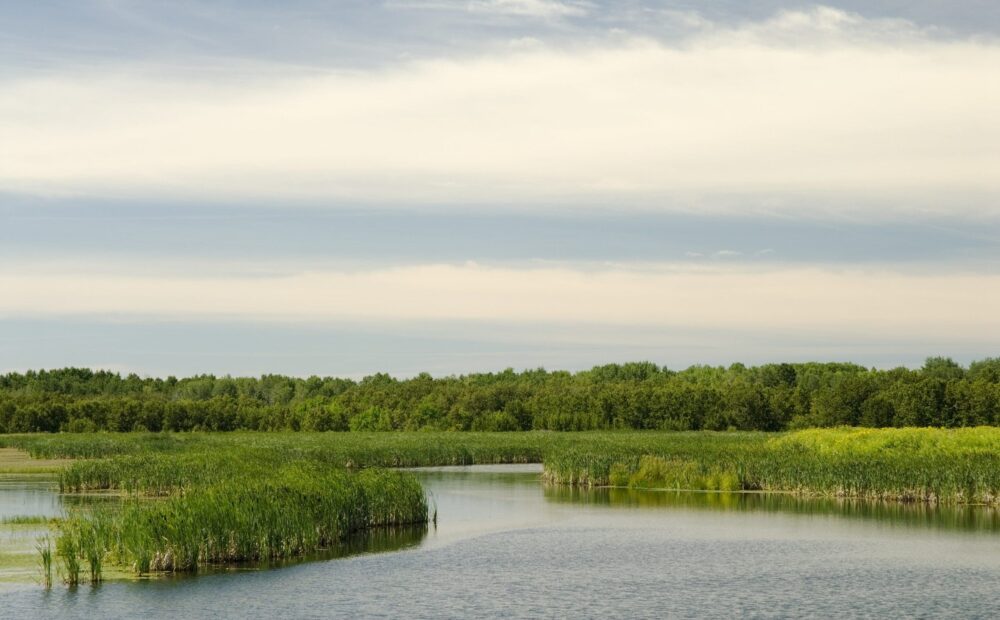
x: 910, y: 514
x: 474, y: 500
x: 377, y: 540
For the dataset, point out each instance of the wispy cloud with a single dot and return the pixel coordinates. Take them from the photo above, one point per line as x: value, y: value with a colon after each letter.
x: 821, y: 26
x: 533, y: 8
x: 525, y: 8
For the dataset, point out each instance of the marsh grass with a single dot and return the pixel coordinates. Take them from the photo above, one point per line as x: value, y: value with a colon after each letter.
x: 930, y: 465
x: 68, y: 552
x: 297, y: 510
x: 44, y: 548
x: 908, y: 464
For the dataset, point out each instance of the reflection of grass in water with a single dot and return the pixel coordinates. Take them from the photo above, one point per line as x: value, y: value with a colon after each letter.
x: 377, y: 540
x: 912, y: 514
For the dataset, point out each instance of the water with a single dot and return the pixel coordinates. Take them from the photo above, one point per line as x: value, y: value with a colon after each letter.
x: 505, y: 546
x: 26, y: 496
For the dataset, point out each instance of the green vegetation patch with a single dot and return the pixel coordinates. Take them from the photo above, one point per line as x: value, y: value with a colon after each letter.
x: 297, y: 510
x: 933, y: 465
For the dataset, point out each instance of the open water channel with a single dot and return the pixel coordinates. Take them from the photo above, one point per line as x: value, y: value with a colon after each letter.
x: 507, y: 546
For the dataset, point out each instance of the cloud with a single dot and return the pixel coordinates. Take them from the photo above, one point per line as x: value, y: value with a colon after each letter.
x: 823, y: 26
x: 809, y: 112
x: 965, y: 307
x: 532, y: 8
x: 521, y: 8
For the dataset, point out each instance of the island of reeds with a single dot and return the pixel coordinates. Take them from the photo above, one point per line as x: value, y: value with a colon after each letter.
x: 194, y: 503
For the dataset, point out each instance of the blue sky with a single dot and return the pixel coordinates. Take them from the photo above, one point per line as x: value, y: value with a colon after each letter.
x: 453, y: 186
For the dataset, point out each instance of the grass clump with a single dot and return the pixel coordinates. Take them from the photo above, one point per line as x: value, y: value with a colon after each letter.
x: 68, y: 551
x: 297, y: 510
x: 661, y: 473
x: 44, y: 548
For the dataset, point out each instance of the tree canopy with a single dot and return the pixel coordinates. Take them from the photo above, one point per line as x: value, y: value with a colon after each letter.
x: 639, y: 395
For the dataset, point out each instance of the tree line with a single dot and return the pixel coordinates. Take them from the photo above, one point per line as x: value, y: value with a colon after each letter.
x: 638, y: 395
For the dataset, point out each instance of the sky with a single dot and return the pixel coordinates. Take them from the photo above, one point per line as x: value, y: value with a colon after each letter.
x: 455, y: 186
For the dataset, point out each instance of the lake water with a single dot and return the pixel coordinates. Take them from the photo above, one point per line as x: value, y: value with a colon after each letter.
x: 506, y: 546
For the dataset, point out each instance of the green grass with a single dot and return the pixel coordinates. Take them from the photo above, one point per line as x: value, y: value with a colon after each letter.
x: 295, y: 511
x: 934, y: 465
x: 44, y: 548
x: 959, y: 465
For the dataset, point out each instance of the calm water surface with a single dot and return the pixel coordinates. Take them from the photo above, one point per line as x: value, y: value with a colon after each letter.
x: 26, y: 496
x: 505, y: 546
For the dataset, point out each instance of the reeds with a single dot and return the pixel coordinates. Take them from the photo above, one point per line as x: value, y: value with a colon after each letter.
x: 957, y: 465
x: 44, y: 547
x: 296, y: 510
x: 931, y: 465
x: 68, y: 551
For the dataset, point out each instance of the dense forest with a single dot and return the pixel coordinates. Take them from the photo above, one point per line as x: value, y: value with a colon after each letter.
x: 617, y: 396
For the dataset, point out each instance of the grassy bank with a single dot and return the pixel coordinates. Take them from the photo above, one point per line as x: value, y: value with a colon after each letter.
x: 956, y: 466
